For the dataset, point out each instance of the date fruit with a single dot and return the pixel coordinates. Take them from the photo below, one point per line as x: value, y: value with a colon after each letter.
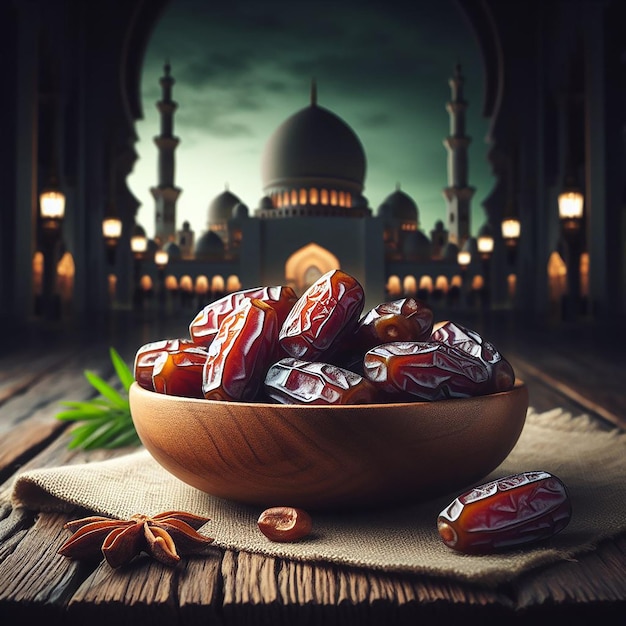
x: 204, y: 327
x: 292, y: 381
x: 407, y: 319
x: 501, y: 375
x: 285, y: 523
x: 506, y: 513
x: 147, y: 354
x: 426, y: 371
x: 179, y: 373
x: 242, y: 351
x: 330, y: 307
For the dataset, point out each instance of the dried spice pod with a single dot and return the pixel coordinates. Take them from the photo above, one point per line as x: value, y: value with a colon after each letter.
x: 203, y: 328
x: 147, y: 354
x: 179, y: 373
x: 242, y: 351
x: 293, y: 381
x: 426, y: 371
x: 328, y: 309
x: 506, y: 513
x: 452, y: 334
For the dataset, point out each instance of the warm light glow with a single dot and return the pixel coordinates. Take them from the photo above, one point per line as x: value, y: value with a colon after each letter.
x: 161, y: 257
x: 393, y: 286
x: 478, y: 282
x: 511, y: 228
x: 485, y: 244
x: 463, y: 258
x: 112, y: 228
x: 441, y: 283
x: 52, y: 204
x: 456, y: 281
x: 171, y: 284
x: 146, y: 283
x: 426, y: 283
x: 217, y: 283
x: 202, y: 285
x: 409, y: 285
x: 571, y: 205
x: 186, y: 283
x: 139, y: 244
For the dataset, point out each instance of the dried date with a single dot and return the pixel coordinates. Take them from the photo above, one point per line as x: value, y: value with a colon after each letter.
x: 506, y: 513
x: 501, y: 371
x: 204, y: 327
x: 426, y: 371
x: 328, y: 309
x: 242, y: 351
x: 292, y: 381
x: 147, y: 354
x: 407, y: 319
x: 179, y: 373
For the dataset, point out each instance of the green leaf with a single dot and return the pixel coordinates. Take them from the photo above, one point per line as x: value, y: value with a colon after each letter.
x: 104, y: 421
x: 124, y: 373
x: 105, y: 389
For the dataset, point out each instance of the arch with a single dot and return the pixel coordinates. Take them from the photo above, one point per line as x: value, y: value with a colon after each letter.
x: 409, y: 285
x: 394, y: 286
x: 186, y: 283
x: 202, y: 285
x: 217, y: 283
x: 304, y: 263
x: 233, y: 283
x: 426, y: 283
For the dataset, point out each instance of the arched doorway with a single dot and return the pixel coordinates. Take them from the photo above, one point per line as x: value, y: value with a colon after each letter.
x: 307, y: 264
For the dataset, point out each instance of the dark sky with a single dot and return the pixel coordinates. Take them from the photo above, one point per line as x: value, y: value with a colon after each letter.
x: 242, y: 67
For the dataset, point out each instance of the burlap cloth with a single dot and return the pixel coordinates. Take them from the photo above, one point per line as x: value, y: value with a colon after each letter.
x: 591, y: 462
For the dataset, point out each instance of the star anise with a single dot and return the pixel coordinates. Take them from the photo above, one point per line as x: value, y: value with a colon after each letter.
x: 165, y: 536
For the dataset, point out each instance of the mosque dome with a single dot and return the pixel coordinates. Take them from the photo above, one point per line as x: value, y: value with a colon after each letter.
x: 210, y: 244
x: 173, y: 250
x: 221, y: 208
x: 240, y: 211
x: 314, y: 146
x: 399, y: 206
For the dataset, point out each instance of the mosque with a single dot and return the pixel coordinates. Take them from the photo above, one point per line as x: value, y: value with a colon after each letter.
x: 313, y: 216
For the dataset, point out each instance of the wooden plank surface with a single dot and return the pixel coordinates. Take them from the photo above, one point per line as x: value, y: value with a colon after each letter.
x: 227, y: 587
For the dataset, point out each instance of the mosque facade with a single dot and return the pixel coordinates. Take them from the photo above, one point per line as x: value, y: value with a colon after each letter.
x: 313, y: 217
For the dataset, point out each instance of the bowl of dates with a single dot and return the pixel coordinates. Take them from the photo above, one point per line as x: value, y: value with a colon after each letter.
x: 309, y: 401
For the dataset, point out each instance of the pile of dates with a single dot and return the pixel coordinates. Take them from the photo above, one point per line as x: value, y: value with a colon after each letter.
x: 268, y: 344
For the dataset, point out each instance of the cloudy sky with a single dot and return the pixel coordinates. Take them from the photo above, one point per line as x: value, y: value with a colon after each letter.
x: 242, y: 67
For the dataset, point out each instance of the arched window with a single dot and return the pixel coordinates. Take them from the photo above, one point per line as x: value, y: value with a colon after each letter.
x: 394, y: 287
x: 186, y: 284
x: 342, y: 198
x: 426, y: 283
x: 324, y: 196
x: 294, y: 197
x: 302, y: 196
x: 410, y: 285
x: 313, y: 196
x: 286, y: 198
x: 333, y: 198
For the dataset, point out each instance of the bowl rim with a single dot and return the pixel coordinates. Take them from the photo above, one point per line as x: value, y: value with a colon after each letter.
x: 142, y: 391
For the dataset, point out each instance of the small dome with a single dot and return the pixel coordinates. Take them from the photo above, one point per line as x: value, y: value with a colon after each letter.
x: 399, y: 206
x: 173, y: 250
x: 210, y: 244
x: 221, y: 208
x: 265, y: 203
x: 313, y: 145
x: 240, y: 211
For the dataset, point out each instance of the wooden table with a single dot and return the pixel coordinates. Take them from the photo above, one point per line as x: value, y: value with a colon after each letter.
x: 226, y: 587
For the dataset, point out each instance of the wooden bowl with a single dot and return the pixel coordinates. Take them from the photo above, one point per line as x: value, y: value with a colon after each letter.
x: 329, y: 457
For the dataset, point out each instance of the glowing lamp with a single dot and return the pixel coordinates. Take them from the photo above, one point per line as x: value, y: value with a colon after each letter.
x: 463, y: 258
x: 52, y: 208
x: 511, y: 230
x: 111, y: 229
x: 161, y: 257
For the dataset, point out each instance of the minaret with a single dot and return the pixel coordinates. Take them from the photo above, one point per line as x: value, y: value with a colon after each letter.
x: 165, y: 194
x: 458, y: 193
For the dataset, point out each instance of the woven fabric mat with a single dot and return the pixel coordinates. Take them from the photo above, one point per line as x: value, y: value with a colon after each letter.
x: 590, y: 461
